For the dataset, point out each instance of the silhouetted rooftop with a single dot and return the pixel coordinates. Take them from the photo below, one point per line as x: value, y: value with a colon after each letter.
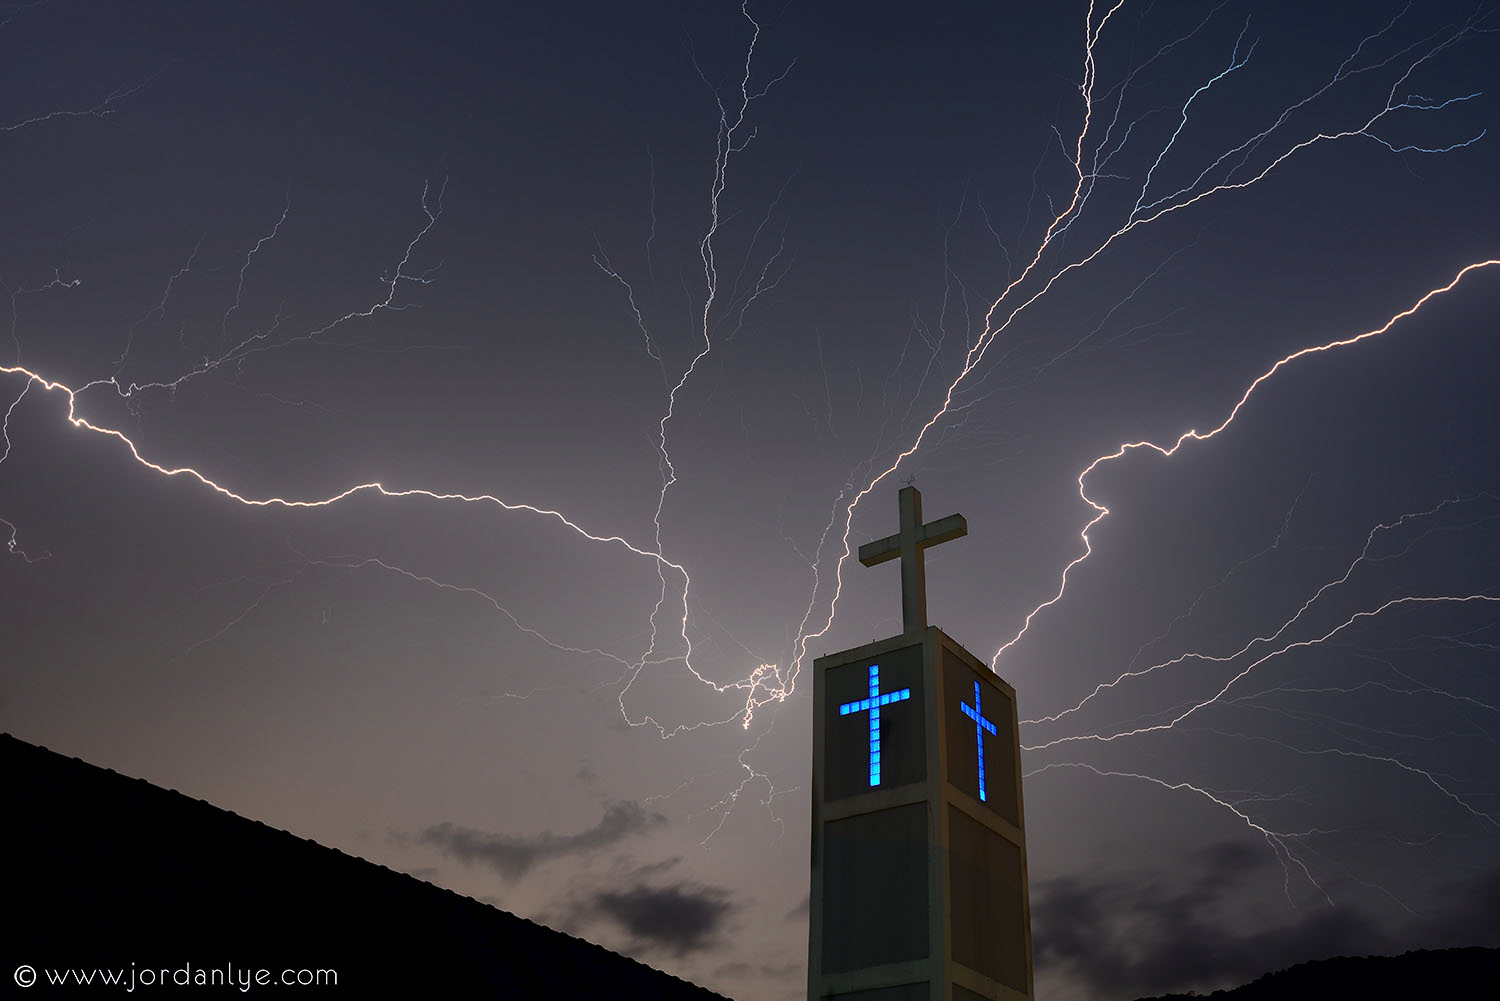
x: 108, y: 871
x: 1427, y: 974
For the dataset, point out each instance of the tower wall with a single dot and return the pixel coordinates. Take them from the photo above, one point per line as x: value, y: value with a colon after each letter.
x: 919, y: 888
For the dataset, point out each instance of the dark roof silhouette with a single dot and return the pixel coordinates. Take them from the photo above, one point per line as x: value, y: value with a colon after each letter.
x: 1448, y: 974
x: 105, y: 871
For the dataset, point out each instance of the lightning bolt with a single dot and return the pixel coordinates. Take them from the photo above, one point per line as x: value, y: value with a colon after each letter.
x: 731, y: 138
x: 1010, y: 304
x: 1146, y: 210
x: 1167, y: 451
x: 1281, y: 842
x: 1348, y: 623
x: 1094, y: 156
x: 1364, y: 557
x: 261, y: 341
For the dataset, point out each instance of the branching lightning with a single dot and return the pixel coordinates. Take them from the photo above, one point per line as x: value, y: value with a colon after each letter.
x: 1142, y: 214
x: 1280, y: 841
x: 1096, y: 159
x: 1146, y: 210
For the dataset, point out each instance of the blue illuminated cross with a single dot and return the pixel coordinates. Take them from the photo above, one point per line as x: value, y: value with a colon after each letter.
x: 980, y: 726
x: 872, y: 706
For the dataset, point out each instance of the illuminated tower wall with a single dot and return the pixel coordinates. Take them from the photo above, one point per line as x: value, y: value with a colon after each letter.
x: 919, y: 889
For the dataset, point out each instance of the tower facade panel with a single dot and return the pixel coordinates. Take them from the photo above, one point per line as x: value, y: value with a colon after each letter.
x: 986, y: 901
x: 874, y: 716
x: 980, y: 724
x: 918, y: 884
x: 918, y: 876
x: 875, y: 889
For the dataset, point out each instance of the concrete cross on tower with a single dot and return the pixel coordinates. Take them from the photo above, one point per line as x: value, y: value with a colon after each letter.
x: 908, y: 544
x: 918, y: 884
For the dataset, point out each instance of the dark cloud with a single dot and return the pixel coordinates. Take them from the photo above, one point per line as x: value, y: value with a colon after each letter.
x: 681, y: 919
x: 654, y: 868
x: 801, y: 911
x: 512, y: 855
x: 1226, y: 863
x: 733, y: 971
x: 1472, y: 914
x: 1144, y: 936
x: 784, y: 971
x: 740, y: 971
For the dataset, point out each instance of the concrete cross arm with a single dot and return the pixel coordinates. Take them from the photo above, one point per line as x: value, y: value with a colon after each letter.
x: 931, y: 534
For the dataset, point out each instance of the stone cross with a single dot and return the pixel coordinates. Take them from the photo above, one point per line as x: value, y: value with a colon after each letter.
x: 908, y: 544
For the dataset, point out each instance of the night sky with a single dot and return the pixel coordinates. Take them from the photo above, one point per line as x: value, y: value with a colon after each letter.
x: 687, y: 280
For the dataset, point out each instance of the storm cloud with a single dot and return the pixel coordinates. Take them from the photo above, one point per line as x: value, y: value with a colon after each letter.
x: 513, y: 855
x: 1143, y: 936
x: 679, y: 919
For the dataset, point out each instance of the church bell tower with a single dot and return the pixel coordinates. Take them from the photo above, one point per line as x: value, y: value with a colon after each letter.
x: 919, y: 888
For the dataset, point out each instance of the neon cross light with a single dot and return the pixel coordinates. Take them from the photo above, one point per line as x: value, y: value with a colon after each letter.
x: 872, y: 706
x: 980, y: 726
